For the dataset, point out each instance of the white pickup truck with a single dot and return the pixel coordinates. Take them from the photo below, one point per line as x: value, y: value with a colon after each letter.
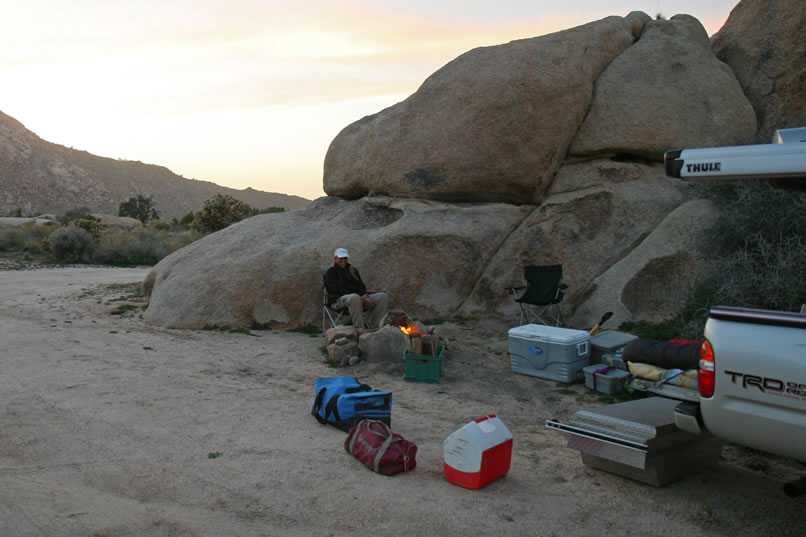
x: 752, y: 383
x: 752, y: 376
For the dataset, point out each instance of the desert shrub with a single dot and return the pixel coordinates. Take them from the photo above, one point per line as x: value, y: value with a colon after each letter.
x: 90, y: 224
x: 161, y: 225
x: 218, y: 212
x: 187, y: 220
x: 39, y: 231
x: 759, y: 242
x: 32, y: 247
x: 761, y: 239
x: 71, y: 244
x: 11, y: 238
x: 139, y: 246
x: 764, y: 273
x: 16, y: 237
x: 750, y: 208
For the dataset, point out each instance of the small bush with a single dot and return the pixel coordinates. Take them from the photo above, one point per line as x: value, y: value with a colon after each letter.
x: 759, y: 242
x: 161, y: 225
x: 765, y: 273
x: 187, y: 220
x: 139, y: 246
x: 17, y: 237
x: 90, y: 224
x: 220, y: 211
x: 32, y: 247
x: 71, y: 244
x: 11, y: 238
x: 40, y: 231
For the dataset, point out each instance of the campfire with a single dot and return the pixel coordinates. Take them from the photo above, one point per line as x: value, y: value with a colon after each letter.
x: 419, y: 341
x: 409, y: 330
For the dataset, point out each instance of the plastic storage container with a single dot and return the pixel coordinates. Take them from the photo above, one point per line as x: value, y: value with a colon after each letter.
x: 478, y: 453
x: 422, y: 367
x: 549, y: 352
x: 608, y: 341
x: 608, y: 380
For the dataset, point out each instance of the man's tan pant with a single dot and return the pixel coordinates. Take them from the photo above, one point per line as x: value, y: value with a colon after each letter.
x: 372, y: 316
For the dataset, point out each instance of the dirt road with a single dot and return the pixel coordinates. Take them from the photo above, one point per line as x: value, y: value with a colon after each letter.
x: 110, y: 427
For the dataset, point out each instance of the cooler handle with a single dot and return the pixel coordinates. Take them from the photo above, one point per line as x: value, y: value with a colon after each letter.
x: 582, y: 347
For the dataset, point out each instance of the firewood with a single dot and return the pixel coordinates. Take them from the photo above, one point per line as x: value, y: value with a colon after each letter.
x: 415, y: 344
x: 430, y: 345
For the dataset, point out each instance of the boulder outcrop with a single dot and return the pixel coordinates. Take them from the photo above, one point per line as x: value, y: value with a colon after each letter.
x: 436, y: 259
x: 666, y: 89
x: 762, y: 41
x: 268, y: 269
x: 540, y: 151
x: 493, y: 125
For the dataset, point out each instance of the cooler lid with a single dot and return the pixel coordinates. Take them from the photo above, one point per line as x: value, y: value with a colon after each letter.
x: 551, y: 334
x: 611, y: 339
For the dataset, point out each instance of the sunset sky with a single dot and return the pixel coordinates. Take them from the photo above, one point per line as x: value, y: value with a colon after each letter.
x: 250, y: 92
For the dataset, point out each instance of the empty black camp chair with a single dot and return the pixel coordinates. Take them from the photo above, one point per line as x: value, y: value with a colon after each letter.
x: 543, y: 296
x: 328, y: 312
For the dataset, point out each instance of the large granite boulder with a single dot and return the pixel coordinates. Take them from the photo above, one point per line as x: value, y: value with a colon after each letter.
x: 435, y: 259
x: 650, y: 283
x: 268, y: 269
x: 666, y: 89
x: 595, y: 215
x: 492, y: 125
x: 762, y: 41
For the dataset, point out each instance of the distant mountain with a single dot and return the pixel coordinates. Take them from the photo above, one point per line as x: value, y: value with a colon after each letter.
x: 40, y: 177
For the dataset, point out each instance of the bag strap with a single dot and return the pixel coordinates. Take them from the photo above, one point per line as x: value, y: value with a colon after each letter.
x: 381, y: 452
x: 332, y: 409
x: 317, y: 404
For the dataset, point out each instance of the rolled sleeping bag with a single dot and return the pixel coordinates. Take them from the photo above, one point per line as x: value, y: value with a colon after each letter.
x: 664, y: 354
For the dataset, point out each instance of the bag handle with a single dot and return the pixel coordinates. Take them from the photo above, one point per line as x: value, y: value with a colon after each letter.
x: 367, y: 424
x: 359, y: 388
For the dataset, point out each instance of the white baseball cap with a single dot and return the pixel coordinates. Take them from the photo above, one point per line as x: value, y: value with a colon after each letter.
x: 341, y: 252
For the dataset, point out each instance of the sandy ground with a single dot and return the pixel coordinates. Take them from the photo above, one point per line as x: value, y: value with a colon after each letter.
x: 110, y: 427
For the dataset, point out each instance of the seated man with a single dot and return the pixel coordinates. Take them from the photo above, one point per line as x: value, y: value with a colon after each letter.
x: 346, y: 290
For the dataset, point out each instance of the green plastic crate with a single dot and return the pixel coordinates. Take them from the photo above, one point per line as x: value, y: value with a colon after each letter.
x: 423, y: 368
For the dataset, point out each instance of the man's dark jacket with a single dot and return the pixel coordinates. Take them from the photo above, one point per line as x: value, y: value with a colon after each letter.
x: 343, y: 281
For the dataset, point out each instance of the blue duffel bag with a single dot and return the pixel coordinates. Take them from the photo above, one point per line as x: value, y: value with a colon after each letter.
x: 343, y: 402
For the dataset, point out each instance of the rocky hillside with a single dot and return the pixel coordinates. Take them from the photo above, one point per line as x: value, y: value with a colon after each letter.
x: 40, y: 177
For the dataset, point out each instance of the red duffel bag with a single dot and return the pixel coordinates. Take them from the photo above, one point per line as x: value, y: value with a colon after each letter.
x: 373, y: 443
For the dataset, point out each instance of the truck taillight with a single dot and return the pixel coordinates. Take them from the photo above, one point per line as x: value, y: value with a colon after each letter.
x: 706, y: 373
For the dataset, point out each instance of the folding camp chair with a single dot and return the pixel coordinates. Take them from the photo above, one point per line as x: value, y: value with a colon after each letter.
x: 543, y: 296
x: 328, y: 312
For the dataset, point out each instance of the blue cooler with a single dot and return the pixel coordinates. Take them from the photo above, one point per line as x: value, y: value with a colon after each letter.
x: 549, y: 352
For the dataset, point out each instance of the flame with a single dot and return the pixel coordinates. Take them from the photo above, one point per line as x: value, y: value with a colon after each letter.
x: 412, y: 329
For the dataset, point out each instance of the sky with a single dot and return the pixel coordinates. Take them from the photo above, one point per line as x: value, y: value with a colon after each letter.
x: 250, y: 93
